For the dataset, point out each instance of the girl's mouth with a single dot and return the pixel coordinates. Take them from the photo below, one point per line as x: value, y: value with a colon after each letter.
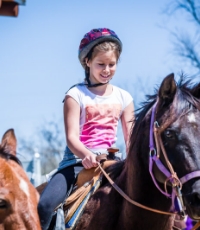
x: 105, y: 76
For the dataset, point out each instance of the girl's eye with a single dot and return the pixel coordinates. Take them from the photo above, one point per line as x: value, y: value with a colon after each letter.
x: 111, y: 65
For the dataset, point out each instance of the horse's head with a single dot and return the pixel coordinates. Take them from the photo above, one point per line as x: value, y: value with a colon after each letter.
x: 177, y: 115
x: 18, y: 197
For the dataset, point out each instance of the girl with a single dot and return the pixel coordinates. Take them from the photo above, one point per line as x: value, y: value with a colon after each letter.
x: 92, y: 110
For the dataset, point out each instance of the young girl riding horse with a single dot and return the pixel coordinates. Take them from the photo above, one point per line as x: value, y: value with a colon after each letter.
x: 92, y: 110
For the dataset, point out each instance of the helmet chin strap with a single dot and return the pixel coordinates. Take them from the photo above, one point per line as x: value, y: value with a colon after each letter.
x: 89, y: 85
x: 95, y: 85
x: 87, y: 78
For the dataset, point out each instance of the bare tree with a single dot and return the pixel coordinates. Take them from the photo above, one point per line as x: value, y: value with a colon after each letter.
x: 187, y: 46
x: 50, y: 144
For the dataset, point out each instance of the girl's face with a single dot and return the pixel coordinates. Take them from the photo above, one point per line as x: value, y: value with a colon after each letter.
x: 102, y: 67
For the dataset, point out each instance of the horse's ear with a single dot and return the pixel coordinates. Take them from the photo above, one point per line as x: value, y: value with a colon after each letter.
x: 9, y: 141
x: 167, y: 90
x: 195, y: 91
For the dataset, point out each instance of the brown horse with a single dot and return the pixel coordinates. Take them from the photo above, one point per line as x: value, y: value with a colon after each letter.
x: 18, y: 197
x: 174, y: 115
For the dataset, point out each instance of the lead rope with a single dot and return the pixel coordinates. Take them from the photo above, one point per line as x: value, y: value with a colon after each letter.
x: 196, y: 226
x: 173, y: 179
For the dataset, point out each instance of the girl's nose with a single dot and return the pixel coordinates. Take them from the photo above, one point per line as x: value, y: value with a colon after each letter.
x: 106, y: 69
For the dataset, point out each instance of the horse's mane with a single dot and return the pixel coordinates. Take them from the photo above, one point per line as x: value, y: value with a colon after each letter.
x: 114, y: 171
x: 183, y: 89
x: 184, y: 97
x: 6, y: 155
x: 186, y: 100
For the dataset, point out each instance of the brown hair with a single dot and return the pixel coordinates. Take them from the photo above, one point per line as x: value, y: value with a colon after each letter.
x: 106, y: 46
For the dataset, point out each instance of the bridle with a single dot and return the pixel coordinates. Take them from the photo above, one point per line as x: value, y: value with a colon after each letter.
x: 171, y: 176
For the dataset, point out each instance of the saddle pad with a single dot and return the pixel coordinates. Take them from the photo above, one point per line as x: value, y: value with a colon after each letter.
x: 72, y: 222
x: 87, y: 183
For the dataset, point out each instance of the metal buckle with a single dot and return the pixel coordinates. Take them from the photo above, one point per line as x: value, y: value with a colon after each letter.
x: 156, y: 124
x: 152, y: 152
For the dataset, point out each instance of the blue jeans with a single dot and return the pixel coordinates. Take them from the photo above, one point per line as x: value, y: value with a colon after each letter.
x: 55, y: 192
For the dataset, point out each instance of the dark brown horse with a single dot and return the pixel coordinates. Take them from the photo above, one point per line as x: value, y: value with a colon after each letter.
x: 175, y: 115
x: 18, y: 197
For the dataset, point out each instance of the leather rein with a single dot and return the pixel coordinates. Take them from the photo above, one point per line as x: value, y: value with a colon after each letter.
x: 118, y: 189
x: 171, y: 176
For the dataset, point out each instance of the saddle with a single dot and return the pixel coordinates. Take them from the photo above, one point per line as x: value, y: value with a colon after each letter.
x: 88, y: 181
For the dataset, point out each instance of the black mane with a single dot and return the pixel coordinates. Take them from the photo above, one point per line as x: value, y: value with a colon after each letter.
x: 183, y: 93
x: 6, y: 155
x: 184, y: 97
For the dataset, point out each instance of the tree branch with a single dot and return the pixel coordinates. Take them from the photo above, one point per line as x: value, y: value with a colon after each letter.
x: 191, y: 7
x: 187, y: 49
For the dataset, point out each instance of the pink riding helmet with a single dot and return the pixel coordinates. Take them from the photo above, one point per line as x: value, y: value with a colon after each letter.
x: 95, y: 37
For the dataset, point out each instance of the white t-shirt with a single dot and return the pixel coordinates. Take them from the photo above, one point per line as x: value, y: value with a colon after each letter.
x: 99, y: 115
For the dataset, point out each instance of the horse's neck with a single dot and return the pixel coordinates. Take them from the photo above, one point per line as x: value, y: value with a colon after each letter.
x: 139, y: 187
x: 140, y: 184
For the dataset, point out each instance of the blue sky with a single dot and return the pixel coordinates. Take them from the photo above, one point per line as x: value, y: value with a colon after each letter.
x: 39, y: 49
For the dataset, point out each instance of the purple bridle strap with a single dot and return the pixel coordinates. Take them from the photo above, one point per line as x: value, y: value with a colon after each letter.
x: 152, y: 155
x: 153, y: 158
x: 189, y: 176
x: 151, y: 139
x: 156, y: 160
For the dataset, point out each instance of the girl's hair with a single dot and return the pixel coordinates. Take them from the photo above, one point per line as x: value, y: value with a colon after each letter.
x: 102, y: 47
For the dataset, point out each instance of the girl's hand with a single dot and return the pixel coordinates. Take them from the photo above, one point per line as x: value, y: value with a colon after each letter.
x: 89, y: 161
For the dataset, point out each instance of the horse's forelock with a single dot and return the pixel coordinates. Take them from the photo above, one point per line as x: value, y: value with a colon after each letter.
x: 183, y: 102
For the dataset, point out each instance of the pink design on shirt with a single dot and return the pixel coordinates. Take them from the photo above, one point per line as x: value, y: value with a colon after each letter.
x: 99, y: 130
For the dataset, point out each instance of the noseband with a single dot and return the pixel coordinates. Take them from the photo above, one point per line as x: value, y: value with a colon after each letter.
x: 170, y: 174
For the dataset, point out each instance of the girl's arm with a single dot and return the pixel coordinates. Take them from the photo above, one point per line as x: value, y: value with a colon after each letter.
x: 127, y: 119
x: 72, y: 128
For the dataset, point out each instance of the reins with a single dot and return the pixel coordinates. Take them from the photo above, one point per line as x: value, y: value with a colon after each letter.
x: 118, y: 189
x: 171, y: 176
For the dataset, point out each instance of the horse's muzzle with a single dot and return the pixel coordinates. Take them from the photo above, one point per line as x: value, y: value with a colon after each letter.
x: 192, y: 200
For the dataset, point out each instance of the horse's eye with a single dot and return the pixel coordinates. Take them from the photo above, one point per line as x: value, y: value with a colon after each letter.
x: 3, y: 204
x: 169, y: 134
